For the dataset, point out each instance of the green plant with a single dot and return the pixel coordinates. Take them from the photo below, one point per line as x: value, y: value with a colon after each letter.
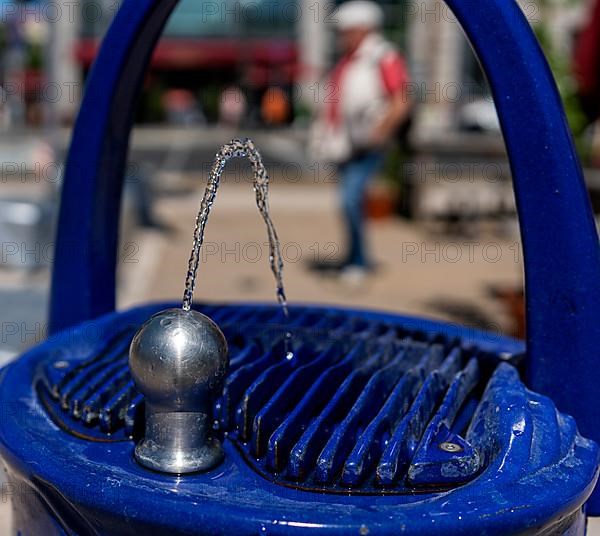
x: 560, y: 64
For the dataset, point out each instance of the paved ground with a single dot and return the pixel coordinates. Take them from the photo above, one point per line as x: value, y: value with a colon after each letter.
x: 417, y: 270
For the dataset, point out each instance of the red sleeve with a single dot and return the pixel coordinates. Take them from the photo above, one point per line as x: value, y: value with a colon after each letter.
x: 393, y: 72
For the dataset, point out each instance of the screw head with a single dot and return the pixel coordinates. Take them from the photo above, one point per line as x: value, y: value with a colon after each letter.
x: 446, y: 446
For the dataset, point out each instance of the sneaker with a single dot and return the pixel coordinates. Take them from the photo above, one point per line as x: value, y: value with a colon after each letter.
x: 353, y: 275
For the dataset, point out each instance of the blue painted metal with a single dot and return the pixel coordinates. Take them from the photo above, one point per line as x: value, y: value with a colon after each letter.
x: 369, y: 400
x: 83, y: 283
x: 562, y: 283
x: 560, y: 242
x: 536, y: 470
x: 296, y: 420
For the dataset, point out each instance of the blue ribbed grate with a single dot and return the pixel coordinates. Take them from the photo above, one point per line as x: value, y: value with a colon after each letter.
x: 364, y: 406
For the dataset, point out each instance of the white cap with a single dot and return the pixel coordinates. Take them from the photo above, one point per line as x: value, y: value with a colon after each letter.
x: 358, y: 14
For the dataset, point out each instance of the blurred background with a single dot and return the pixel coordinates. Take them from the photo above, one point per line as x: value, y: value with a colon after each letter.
x: 440, y: 212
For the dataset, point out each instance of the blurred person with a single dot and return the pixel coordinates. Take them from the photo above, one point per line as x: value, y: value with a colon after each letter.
x: 275, y: 106
x: 181, y: 107
x: 364, y: 108
x: 232, y: 106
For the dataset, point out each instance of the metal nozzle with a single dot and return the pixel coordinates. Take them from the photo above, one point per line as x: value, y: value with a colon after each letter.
x: 178, y: 361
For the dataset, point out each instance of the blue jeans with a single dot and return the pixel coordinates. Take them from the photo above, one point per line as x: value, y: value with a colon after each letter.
x: 355, y: 175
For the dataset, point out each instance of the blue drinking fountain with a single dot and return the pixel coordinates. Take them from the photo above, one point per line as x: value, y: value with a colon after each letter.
x: 256, y: 419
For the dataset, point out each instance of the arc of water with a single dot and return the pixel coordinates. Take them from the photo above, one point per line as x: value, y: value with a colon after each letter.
x: 237, y: 148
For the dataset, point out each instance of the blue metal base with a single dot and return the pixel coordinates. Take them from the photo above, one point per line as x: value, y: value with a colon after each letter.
x: 562, y: 265
x: 535, y: 471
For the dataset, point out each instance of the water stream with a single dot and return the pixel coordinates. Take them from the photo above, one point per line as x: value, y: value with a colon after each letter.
x: 239, y: 149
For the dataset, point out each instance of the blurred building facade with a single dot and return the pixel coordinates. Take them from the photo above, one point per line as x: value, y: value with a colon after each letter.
x: 278, y: 48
